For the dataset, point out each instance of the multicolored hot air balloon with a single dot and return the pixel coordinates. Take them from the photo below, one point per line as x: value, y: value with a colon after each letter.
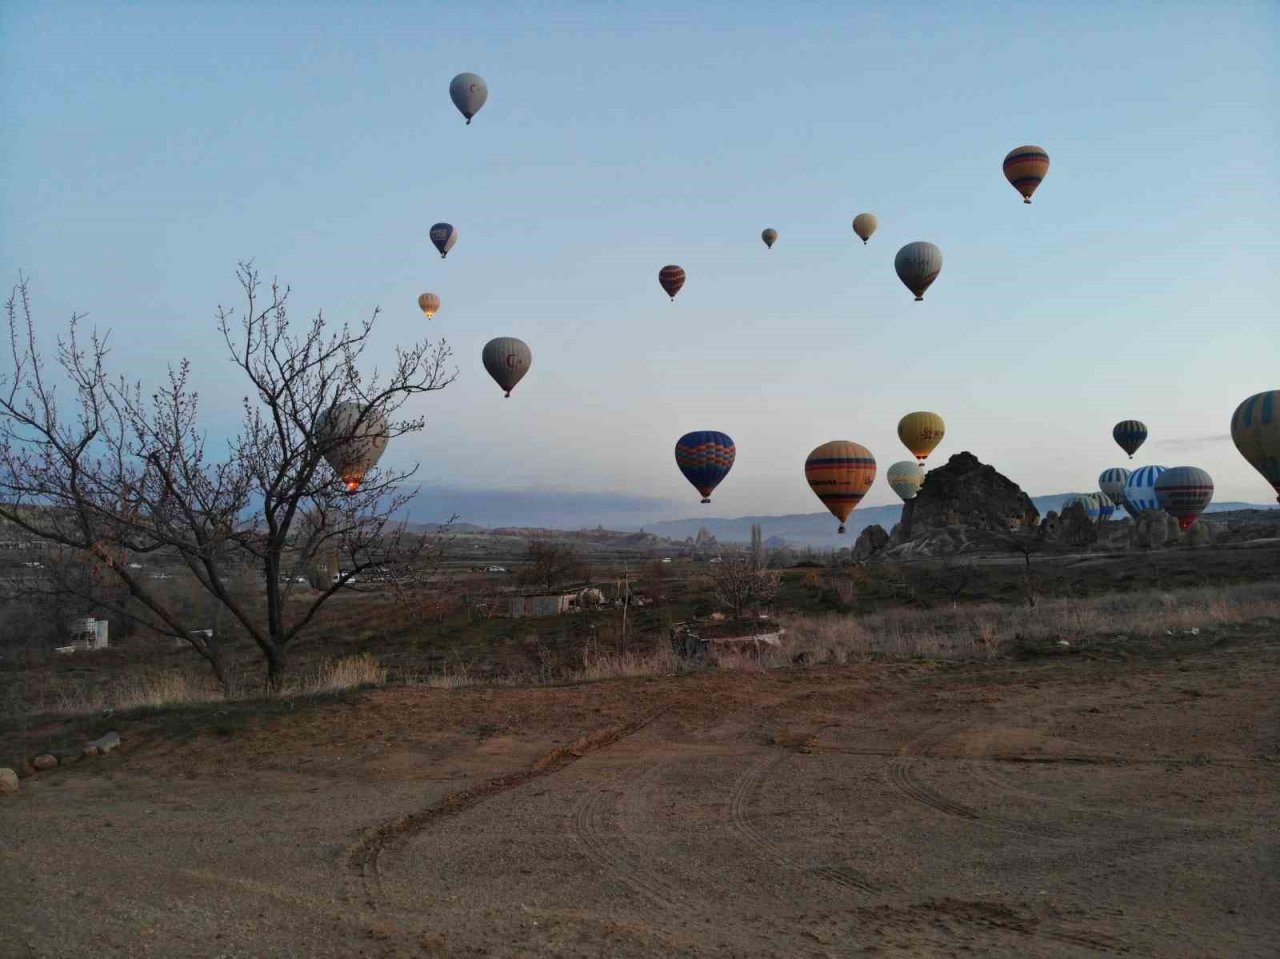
x: 705, y: 458
x: 1025, y: 167
x: 507, y: 360
x: 468, y: 93
x: 770, y: 237
x: 1255, y: 429
x: 864, y: 224
x: 1111, y: 481
x: 1129, y: 435
x: 352, y: 438
x: 918, y: 265
x: 921, y: 432
x: 671, y: 279
x: 1140, y: 489
x: 429, y: 304
x: 905, y: 479
x: 1084, y: 499
x: 840, y: 473
x: 1106, y: 506
x: 1183, y: 492
x: 444, y: 236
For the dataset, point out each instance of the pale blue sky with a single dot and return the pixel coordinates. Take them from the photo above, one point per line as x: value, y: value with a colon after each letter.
x: 149, y: 146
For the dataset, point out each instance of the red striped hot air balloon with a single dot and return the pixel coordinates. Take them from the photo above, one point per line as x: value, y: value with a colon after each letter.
x: 1025, y: 167
x: 840, y: 473
x: 671, y: 279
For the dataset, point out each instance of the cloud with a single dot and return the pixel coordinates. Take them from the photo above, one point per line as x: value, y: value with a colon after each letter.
x: 1191, y: 442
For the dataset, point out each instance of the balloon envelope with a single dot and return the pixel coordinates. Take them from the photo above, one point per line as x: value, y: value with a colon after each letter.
x: 352, y: 438
x: 1183, y: 492
x: 840, y: 473
x: 1255, y: 429
x: 671, y: 279
x: 905, y: 479
x: 770, y: 237
x: 864, y: 224
x: 705, y: 458
x: 1025, y: 167
x: 429, y: 304
x: 1111, y: 481
x: 507, y: 359
x: 1087, y: 501
x: 444, y: 236
x: 1140, y: 489
x: 468, y: 93
x: 921, y: 432
x: 918, y: 265
x: 1129, y: 434
x: 1106, y: 506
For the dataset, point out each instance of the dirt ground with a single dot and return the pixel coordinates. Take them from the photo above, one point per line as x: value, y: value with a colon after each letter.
x: 1076, y: 805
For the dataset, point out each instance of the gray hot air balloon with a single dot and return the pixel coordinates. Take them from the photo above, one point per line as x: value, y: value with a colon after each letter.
x: 770, y: 237
x: 918, y: 265
x: 443, y: 237
x: 352, y: 440
x: 864, y: 224
x: 468, y: 93
x: 507, y: 360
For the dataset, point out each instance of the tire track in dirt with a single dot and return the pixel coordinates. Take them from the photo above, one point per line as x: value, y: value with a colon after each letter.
x: 363, y: 857
x: 605, y: 845
x: 743, y: 796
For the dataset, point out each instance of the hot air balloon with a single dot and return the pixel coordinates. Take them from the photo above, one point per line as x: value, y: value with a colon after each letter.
x: 705, y: 458
x: 671, y: 278
x: 468, y: 93
x: 1140, y: 489
x: 1130, y: 434
x: 921, y: 432
x: 840, y: 473
x: 429, y: 304
x: 905, y: 479
x: 770, y: 237
x: 507, y: 360
x: 864, y: 224
x: 1255, y: 429
x: 1087, y: 501
x: 1025, y: 167
x: 1111, y: 481
x: 1106, y: 506
x: 918, y: 265
x: 352, y: 438
x: 444, y: 236
x: 1183, y: 492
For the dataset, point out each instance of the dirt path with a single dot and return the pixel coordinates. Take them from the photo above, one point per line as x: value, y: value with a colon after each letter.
x: 1077, y: 807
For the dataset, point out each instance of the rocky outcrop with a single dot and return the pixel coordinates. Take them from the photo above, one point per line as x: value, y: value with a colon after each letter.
x: 8, y: 781
x: 1072, y: 528
x: 1154, y: 528
x: 870, y: 541
x: 963, y: 505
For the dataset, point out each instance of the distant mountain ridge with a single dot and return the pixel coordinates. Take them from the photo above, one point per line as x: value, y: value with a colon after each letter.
x: 819, y: 529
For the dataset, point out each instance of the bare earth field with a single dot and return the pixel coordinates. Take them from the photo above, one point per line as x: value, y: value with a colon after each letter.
x: 1119, y: 802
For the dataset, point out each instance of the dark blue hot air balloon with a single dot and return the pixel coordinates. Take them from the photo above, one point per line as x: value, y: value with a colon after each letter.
x: 1129, y: 435
x: 705, y: 458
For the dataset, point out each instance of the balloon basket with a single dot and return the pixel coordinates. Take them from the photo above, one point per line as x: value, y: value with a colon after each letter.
x: 840, y: 530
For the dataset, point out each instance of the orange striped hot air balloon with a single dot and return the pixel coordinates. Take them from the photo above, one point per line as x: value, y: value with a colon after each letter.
x: 840, y: 473
x: 1025, y: 167
x: 921, y: 432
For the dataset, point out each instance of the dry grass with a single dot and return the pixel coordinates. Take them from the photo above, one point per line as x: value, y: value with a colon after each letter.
x: 602, y: 665
x: 346, y: 673
x: 989, y: 630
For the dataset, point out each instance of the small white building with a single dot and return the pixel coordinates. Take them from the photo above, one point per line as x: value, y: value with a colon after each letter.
x: 86, y: 633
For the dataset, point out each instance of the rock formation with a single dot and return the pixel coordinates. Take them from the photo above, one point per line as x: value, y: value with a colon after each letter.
x: 870, y: 541
x: 1072, y: 528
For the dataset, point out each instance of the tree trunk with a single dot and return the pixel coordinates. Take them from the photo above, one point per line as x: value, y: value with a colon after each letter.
x: 276, y: 662
x: 219, y: 671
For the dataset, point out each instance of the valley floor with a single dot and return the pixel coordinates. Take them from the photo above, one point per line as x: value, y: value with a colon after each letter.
x: 1067, y: 806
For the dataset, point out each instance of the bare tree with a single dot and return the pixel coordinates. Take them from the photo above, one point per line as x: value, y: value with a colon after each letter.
x: 115, y: 473
x: 551, y: 563
x: 741, y: 582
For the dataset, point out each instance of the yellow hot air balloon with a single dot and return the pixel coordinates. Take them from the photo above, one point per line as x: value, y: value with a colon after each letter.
x: 429, y: 304
x: 840, y: 473
x: 921, y: 432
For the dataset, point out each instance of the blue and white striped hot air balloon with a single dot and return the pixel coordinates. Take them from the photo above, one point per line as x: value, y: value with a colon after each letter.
x: 1140, y: 489
x: 1111, y: 482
